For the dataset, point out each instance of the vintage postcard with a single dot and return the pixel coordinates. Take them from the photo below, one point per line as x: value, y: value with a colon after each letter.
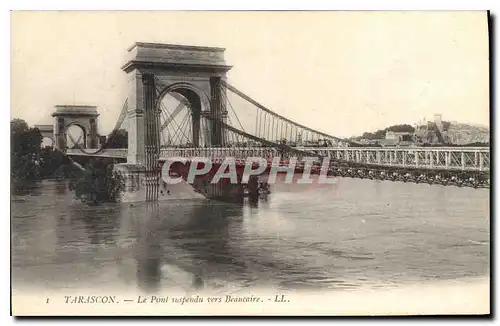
x: 327, y: 163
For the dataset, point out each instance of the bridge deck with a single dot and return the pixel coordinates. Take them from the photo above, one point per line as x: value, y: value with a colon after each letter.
x: 442, y: 158
x: 109, y: 152
x: 449, y: 158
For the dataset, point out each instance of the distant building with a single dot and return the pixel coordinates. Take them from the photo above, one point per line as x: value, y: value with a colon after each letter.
x: 365, y: 141
x: 438, y: 120
x: 388, y: 142
x: 399, y: 136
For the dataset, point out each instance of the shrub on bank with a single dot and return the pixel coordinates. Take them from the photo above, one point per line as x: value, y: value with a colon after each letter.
x: 98, y: 183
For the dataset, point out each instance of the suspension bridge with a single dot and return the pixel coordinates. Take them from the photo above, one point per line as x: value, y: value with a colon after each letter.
x: 181, y: 104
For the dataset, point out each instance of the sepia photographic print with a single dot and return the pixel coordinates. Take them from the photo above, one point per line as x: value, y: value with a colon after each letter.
x: 258, y: 163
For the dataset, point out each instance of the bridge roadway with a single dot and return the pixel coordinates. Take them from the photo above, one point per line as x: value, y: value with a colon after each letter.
x: 437, y: 158
x: 96, y: 152
x: 462, y: 166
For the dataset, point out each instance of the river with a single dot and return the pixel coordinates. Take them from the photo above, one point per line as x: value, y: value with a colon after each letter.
x: 343, y: 236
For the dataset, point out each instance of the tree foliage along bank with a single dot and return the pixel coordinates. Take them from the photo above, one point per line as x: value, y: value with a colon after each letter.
x: 30, y: 162
x: 118, y: 139
x: 98, y: 183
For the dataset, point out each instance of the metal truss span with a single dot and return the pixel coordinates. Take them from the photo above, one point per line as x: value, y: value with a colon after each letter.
x: 387, y: 165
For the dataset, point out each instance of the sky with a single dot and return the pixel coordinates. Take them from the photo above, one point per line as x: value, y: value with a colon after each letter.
x: 342, y: 73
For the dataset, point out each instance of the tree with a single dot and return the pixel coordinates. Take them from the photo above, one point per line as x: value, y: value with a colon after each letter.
x: 368, y: 135
x: 446, y: 125
x: 17, y: 126
x: 118, y: 139
x: 54, y: 164
x: 25, y: 150
x: 98, y: 183
x: 380, y: 134
x: 26, y: 142
x: 401, y: 128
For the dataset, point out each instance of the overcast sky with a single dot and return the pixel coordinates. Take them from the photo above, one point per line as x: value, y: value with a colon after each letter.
x: 339, y: 72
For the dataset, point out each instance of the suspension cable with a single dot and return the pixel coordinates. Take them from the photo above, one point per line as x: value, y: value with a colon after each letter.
x: 260, y: 106
x: 226, y: 99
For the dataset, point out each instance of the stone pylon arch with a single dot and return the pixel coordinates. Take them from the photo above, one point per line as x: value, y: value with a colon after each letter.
x: 84, y: 116
x: 47, y: 131
x: 195, y: 70
x: 199, y: 105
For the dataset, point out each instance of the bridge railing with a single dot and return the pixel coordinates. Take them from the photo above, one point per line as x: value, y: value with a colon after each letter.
x: 220, y: 152
x: 108, y: 152
x: 444, y: 158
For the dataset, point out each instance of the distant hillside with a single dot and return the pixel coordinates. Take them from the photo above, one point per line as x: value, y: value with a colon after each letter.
x: 380, y: 134
x: 453, y: 133
x: 462, y: 134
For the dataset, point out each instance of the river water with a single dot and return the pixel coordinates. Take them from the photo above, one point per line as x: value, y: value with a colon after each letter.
x: 342, y: 236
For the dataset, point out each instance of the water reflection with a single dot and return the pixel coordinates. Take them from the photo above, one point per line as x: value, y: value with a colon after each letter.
x: 353, y: 232
x: 206, y: 232
x: 61, y: 187
x: 101, y: 228
x: 149, y: 252
x: 186, y: 238
x: 26, y: 188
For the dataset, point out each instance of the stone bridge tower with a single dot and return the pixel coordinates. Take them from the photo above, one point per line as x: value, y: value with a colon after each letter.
x: 83, y: 116
x: 155, y: 70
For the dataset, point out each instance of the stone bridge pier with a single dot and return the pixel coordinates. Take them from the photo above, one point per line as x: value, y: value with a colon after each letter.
x: 138, y: 180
